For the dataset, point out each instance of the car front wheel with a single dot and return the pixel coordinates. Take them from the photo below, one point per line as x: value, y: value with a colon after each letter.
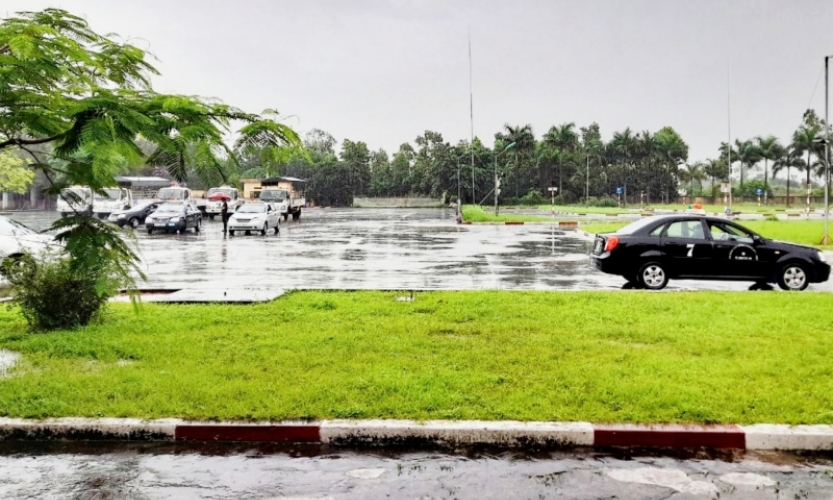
x: 793, y: 277
x: 653, y: 276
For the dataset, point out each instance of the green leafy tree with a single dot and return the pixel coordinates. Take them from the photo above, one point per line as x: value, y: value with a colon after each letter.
x: 86, y: 99
x: 15, y: 177
x: 770, y: 150
x: 789, y: 160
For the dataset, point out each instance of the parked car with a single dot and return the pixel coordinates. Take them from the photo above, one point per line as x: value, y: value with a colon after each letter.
x: 650, y: 251
x: 254, y: 217
x: 174, y: 217
x: 134, y: 217
x: 18, y: 240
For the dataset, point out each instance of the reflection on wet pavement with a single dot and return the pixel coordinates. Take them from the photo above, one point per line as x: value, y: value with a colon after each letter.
x: 170, y: 472
x: 419, y: 249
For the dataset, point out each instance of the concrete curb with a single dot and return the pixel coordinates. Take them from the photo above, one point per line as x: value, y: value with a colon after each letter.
x: 505, y: 434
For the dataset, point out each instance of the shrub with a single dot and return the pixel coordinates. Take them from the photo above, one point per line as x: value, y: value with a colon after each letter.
x: 604, y: 201
x: 532, y: 197
x: 70, y: 290
x: 566, y: 198
x: 53, y: 294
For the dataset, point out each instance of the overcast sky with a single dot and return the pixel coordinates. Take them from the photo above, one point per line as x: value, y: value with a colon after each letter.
x: 385, y: 71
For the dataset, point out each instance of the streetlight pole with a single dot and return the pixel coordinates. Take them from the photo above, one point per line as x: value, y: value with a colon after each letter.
x: 826, y: 238
x: 509, y: 146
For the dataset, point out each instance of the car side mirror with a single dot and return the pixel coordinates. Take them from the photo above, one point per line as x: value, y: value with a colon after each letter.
x: 757, y: 240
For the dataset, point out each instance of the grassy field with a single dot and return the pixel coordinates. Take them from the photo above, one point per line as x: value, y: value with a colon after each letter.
x: 474, y: 213
x: 743, y: 208
x: 800, y: 231
x: 598, y: 356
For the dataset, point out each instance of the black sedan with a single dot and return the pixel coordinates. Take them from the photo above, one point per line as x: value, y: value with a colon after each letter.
x: 176, y: 217
x: 650, y: 251
x: 134, y: 217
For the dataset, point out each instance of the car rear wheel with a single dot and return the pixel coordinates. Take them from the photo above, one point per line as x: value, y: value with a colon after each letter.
x: 150, y: 231
x: 653, y: 276
x: 793, y: 277
x: 263, y: 231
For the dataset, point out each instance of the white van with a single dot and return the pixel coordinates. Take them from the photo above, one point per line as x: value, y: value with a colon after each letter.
x: 75, y: 199
x: 112, y: 200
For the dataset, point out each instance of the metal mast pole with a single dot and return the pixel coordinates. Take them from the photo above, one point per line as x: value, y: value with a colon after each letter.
x: 729, y: 114
x: 471, y: 120
x: 826, y: 239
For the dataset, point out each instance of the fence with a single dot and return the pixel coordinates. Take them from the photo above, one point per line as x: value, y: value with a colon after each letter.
x: 397, y: 202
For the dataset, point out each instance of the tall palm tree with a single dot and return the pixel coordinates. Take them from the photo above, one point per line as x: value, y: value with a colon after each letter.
x: 692, y: 172
x: 747, y: 154
x: 804, y: 140
x: 790, y: 159
x: 524, y: 141
x: 563, y: 140
x: 623, y: 146
x: 770, y: 150
x: 714, y: 168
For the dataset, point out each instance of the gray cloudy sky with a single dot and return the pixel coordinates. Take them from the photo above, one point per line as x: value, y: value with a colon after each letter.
x: 385, y: 71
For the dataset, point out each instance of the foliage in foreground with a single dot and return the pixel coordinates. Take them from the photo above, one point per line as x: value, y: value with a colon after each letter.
x: 598, y: 356
x: 78, y: 103
x: 67, y: 290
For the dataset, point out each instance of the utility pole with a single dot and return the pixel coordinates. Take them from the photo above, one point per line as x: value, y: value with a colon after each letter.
x: 826, y: 238
x: 729, y: 114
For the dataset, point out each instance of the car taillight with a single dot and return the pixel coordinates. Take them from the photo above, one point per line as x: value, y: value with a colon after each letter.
x: 612, y: 243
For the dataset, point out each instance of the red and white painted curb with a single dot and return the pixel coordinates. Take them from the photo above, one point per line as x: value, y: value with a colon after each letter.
x: 431, y: 433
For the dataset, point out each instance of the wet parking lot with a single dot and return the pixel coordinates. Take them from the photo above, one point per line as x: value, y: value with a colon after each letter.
x: 400, y: 249
x: 147, y: 472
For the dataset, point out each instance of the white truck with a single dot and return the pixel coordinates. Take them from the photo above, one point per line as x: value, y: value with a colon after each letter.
x: 176, y: 194
x: 213, y: 208
x: 75, y: 199
x: 287, y: 196
x: 111, y: 200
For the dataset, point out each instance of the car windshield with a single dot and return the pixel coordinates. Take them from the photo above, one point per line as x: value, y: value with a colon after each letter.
x: 170, y: 208
x: 226, y: 191
x: 112, y: 194
x: 252, y: 209
x: 10, y: 227
x: 171, y: 194
x: 71, y: 193
x: 636, y: 226
x: 273, y: 195
x: 142, y: 206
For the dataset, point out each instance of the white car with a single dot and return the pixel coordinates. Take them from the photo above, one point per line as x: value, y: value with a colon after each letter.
x: 254, y: 217
x: 17, y: 240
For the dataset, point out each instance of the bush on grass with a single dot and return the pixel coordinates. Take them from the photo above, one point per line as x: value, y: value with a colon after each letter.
x: 604, y: 201
x: 566, y: 198
x: 532, y: 197
x: 54, y: 294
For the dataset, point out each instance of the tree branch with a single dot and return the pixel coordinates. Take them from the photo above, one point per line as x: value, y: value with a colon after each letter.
x: 26, y: 142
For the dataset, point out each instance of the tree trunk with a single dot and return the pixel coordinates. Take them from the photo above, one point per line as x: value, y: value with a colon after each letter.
x: 766, y: 179
x: 788, y: 186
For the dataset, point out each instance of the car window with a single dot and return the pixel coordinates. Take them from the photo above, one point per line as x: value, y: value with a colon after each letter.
x: 725, y: 232
x: 657, y: 230
x: 687, y: 229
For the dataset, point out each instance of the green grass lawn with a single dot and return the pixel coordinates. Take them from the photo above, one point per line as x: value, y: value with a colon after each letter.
x: 805, y: 232
x: 475, y: 213
x: 598, y: 356
x: 743, y: 208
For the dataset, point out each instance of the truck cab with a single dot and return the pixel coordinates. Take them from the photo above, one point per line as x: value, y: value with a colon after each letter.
x: 278, y: 198
x: 176, y: 194
x: 213, y: 208
x: 75, y: 199
x: 111, y: 200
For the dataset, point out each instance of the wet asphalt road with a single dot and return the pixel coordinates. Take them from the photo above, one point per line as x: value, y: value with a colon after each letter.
x: 400, y: 249
x: 151, y: 473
